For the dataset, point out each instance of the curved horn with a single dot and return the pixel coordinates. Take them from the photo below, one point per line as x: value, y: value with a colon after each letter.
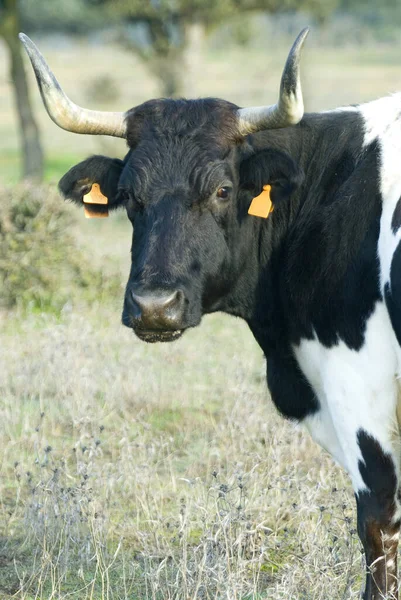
x: 289, y: 109
x: 61, y: 110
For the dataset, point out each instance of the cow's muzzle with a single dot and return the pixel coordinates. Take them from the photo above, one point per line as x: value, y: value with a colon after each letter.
x: 157, y: 316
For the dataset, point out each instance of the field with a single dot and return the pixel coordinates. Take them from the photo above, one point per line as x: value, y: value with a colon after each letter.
x: 158, y: 472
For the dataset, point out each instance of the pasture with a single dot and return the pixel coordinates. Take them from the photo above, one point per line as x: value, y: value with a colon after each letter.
x: 158, y: 472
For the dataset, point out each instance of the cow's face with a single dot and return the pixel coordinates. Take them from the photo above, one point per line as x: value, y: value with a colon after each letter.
x: 180, y: 186
x: 186, y: 185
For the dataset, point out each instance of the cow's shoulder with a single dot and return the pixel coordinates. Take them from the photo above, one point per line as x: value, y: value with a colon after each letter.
x: 327, y: 266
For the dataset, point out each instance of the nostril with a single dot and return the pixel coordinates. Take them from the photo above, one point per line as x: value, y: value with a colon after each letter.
x: 136, y: 306
x: 158, y: 310
x: 175, y: 300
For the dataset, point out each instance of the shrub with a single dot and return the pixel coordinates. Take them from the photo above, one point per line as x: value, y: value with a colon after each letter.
x: 41, y: 265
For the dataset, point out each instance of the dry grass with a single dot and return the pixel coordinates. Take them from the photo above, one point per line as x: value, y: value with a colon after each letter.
x: 147, y: 472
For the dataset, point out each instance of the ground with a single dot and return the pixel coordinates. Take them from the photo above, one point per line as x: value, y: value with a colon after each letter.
x: 136, y: 471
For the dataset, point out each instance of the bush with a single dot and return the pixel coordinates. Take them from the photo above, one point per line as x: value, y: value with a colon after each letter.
x: 41, y: 265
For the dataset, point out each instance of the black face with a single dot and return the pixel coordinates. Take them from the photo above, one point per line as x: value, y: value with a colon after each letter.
x: 186, y: 184
x: 180, y: 190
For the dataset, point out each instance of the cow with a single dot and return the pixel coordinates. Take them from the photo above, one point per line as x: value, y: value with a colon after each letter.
x: 317, y: 279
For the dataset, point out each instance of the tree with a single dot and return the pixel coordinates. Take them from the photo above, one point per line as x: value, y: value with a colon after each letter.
x: 159, y: 30
x: 31, y: 147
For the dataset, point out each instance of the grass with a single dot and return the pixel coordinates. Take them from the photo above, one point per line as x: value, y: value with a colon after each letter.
x: 55, y: 166
x: 135, y: 471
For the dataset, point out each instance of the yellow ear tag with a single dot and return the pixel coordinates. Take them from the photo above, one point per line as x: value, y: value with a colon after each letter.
x: 262, y: 206
x: 95, y: 203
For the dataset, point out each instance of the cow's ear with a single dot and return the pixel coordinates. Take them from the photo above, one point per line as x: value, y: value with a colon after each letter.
x: 271, y: 167
x: 102, y: 170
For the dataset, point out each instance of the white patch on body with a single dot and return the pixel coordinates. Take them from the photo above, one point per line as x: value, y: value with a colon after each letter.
x: 356, y: 390
x: 359, y: 389
x: 383, y: 123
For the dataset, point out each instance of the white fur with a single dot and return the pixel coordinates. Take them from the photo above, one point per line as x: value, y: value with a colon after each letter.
x: 383, y: 122
x: 356, y: 390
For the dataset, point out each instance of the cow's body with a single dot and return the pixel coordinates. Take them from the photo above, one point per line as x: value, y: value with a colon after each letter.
x: 318, y: 282
x: 339, y: 279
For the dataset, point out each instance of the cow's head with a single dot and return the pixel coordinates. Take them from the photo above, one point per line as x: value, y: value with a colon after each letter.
x: 186, y: 184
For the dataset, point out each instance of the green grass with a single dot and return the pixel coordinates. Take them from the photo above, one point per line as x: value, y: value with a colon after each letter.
x: 10, y: 169
x: 55, y: 166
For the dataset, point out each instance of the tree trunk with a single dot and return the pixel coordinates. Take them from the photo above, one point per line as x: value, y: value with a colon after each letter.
x: 167, y: 54
x: 194, y: 36
x: 31, y: 146
x: 169, y: 71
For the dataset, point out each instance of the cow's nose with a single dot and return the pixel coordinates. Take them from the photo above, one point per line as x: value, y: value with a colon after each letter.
x: 163, y: 311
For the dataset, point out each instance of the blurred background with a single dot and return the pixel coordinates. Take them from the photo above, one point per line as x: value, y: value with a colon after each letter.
x: 114, y: 54
x: 155, y: 471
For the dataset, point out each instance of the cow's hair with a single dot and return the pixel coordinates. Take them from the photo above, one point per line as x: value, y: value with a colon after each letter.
x: 274, y: 167
x: 184, y: 118
x: 97, y: 169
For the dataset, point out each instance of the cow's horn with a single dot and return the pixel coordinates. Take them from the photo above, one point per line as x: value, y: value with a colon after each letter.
x: 289, y: 109
x: 65, y: 113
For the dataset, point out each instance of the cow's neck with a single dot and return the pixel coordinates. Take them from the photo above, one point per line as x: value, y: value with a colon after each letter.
x: 286, y: 276
x: 253, y: 298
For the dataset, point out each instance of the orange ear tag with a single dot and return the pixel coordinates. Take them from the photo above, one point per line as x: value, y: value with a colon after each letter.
x: 95, y: 203
x: 262, y: 206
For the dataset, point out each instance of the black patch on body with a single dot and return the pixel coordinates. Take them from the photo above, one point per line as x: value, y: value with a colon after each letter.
x: 392, y: 293
x: 289, y: 388
x: 330, y: 282
x: 322, y: 276
x: 378, y: 473
x: 290, y: 391
x: 376, y: 508
x: 396, y: 219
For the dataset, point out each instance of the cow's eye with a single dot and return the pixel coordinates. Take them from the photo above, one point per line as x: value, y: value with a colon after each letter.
x: 128, y: 198
x: 223, y: 192
x: 123, y: 195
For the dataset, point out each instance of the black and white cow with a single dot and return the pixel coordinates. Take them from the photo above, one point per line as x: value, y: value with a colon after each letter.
x: 318, y: 281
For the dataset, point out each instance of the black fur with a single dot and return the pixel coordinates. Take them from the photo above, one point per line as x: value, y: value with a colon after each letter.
x: 396, y: 220
x: 378, y: 473
x: 274, y: 167
x: 392, y: 291
x: 377, y: 527
x: 96, y: 169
